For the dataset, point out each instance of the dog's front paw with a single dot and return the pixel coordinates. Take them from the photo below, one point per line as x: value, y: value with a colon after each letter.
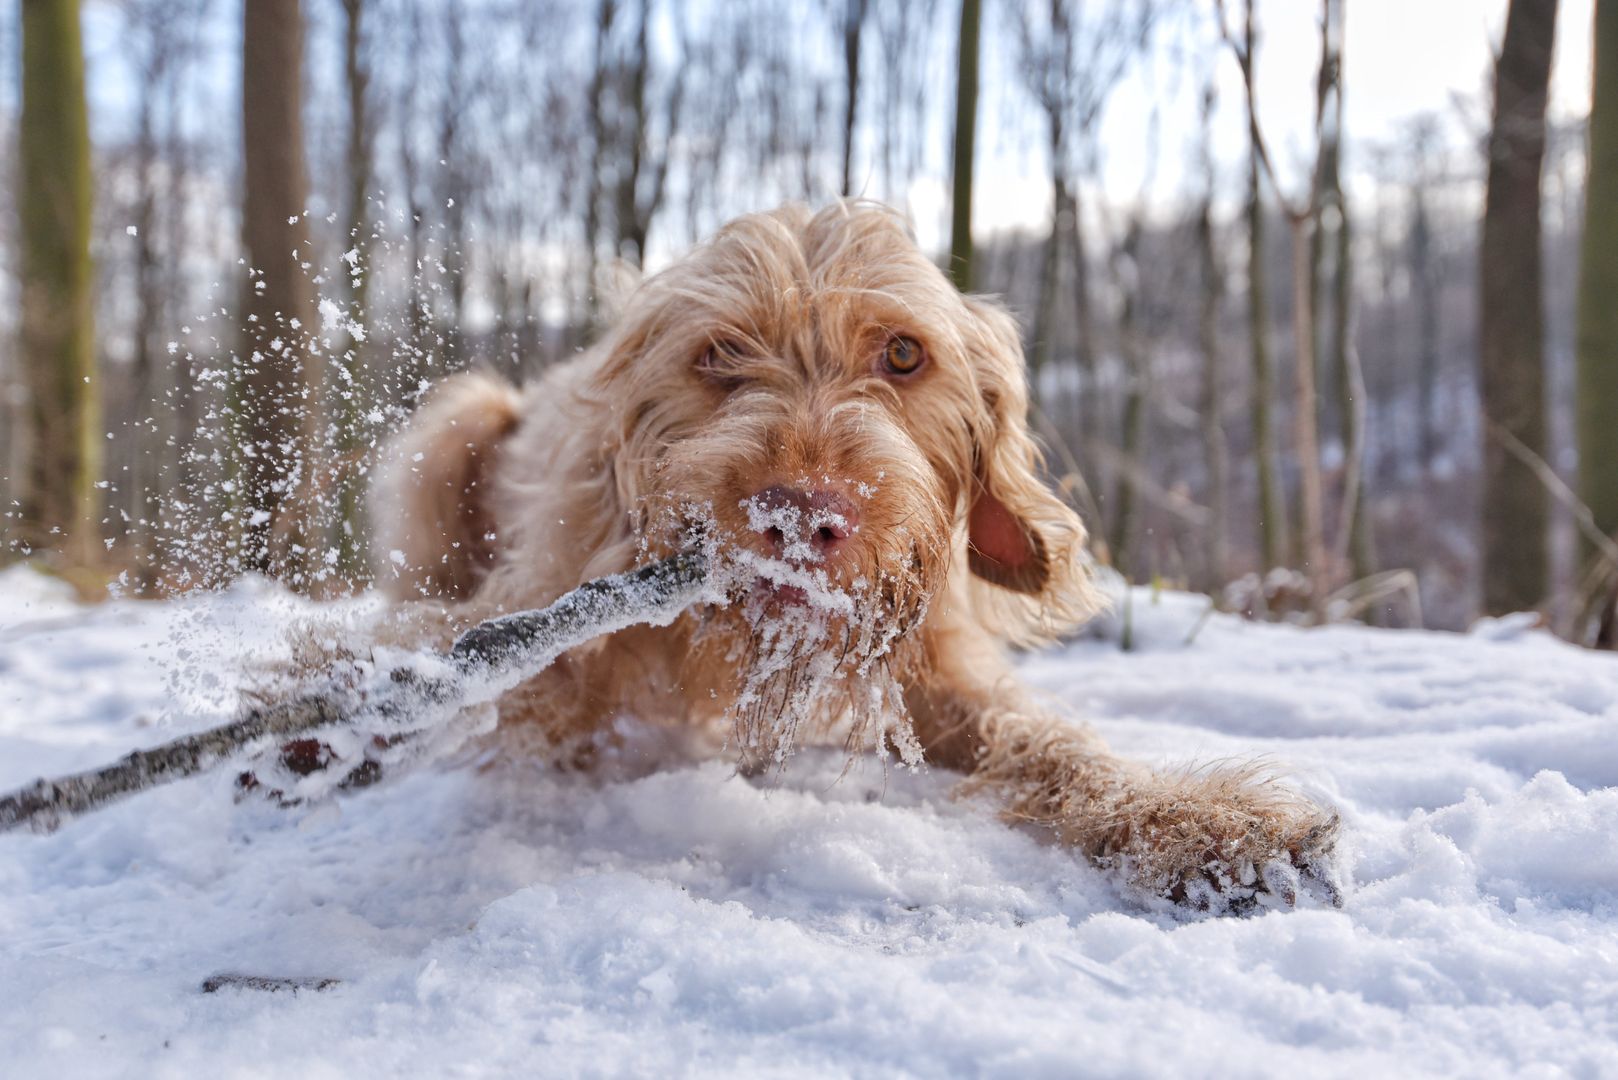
x: 1223, y: 842
x: 1260, y: 875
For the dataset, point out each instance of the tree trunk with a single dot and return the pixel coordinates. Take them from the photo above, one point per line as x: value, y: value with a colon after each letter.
x: 352, y: 528
x: 1512, y: 330
x: 1050, y: 270
x: 1358, y: 538
x: 1087, y: 414
x: 1355, y: 540
x: 59, y: 498
x: 1211, y: 410
x: 643, y: 179
x: 1271, y: 504
x: 1306, y: 435
x: 357, y: 79
x: 631, y: 236
x: 1598, y: 287
x: 596, y: 110
x: 147, y: 460
x: 1425, y: 287
x: 454, y: 195
x: 415, y: 364
x: 1322, y: 271
x: 277, y: 368
x: 1328, y: 207
x: 1132, y: 439
x: 185, y: 422
x: 966, y: 121
x: 853, y: 25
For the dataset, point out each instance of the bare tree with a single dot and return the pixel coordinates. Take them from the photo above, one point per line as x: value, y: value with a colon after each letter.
x: 1424, y: 282
x: 1211, y: 411
x: 1271, y: 498
x: 355, y: 390
x: 156, y: 44
x: 645, y: 155
x: 1512, y: 326
x: 455, y: 168
x: 966, y: 123
x: 277, y: 369
x: 1126, y: 274
x: 905, y: 29
x: 632, y: 132
x: 1334, y: 221
x: 1598, y: 287
x: 59, y: 496
x: 726, y: 53
x: 1071, y: 63
x: 852, y: 27
x: 1303, y: 217
x: 359, y: 150
x: 596, y: 104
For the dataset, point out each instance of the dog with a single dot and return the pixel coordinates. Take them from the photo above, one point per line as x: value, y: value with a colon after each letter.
x: 810, y: 394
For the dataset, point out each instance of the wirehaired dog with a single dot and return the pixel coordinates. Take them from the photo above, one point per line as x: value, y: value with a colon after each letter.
x: 810, y: 396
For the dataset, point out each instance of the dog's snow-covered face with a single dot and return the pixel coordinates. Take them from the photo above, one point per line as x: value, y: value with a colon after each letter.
x: 814, y: 394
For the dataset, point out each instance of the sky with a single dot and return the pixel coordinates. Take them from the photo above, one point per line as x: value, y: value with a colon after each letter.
x: 1401, y: 58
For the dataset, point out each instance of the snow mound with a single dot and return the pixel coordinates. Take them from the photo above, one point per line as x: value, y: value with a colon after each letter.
x: 489, y: 916
x: 1548, y: 843
x: 32, y: 595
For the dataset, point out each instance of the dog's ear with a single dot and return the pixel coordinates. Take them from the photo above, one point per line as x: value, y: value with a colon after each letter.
x: 430, y: 504
x: 615, y: 281
x: 1004, y: 549
x: 1016, y: 527
x: 1021, y: 536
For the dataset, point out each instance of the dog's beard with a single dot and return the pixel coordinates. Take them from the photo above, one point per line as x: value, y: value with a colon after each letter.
x: 808, y: 668
x: 815, y: 654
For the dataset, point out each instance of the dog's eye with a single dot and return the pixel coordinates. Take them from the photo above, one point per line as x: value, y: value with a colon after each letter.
x: 719, y: 363
x: 903, y: 356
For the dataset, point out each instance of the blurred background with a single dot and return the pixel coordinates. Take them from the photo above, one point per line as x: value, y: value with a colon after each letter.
x: 1319, y: 297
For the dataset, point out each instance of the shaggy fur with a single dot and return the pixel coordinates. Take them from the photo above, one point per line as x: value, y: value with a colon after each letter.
x: 754, y: 367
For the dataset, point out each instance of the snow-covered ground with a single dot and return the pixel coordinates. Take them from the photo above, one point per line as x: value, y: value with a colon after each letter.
x: 496, y: 918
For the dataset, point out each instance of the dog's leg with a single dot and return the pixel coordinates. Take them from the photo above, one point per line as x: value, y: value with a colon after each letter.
x: 1217, y: 839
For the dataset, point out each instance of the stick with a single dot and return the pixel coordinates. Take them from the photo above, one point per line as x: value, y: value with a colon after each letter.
x: 654, y: 593
x: 487, y: 660
x: 1545, y: 473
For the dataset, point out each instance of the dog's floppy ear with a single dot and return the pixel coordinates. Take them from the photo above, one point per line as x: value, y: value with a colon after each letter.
x: 1005, y: 550
x: 1016, y: 527
x: 1021, y: 537
x: 615, y: 281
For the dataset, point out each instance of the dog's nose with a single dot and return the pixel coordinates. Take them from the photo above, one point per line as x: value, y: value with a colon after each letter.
x: 803, y: 526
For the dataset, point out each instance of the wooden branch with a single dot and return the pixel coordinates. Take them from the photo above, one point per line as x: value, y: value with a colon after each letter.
x: 1242, y: 51
x: 525, y: 643
x: 1545, y: 473
x: 487, y: 660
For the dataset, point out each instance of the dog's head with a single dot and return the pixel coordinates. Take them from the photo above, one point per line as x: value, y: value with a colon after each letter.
x: 817, y: 394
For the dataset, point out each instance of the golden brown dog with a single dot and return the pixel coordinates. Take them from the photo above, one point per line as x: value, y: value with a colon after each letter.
x: 809, y: 394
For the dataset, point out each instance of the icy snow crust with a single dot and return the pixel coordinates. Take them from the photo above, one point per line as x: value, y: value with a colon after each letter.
x: 510, y: 920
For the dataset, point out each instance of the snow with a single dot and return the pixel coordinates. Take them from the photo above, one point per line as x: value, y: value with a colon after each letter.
x: 490, y: 916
